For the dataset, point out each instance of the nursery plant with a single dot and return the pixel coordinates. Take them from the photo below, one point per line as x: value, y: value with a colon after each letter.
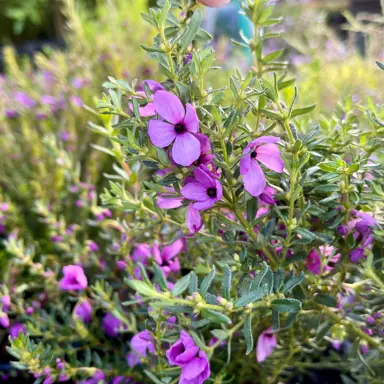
x: 247, y: 241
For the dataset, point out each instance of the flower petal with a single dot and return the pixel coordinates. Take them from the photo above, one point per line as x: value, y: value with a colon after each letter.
x: 245, y: 162
x: 193, y: 219
x: 191, y: 121
x: 194, y: 368
x: 161, y: 134
x: 254, y: 180
x: 164, y: 202
x: 219, y: 190
x: 169, y: 107
x: 186, y: 149
x: 172, y: 250
x: 204, y: 176
x: 194, y: 191
x: 269, y: 155
x: 265, y: 140
x: 266, y: 343
x: 203, y: 205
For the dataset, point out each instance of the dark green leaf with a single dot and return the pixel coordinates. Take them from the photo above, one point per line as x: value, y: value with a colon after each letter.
x: 248, y: 334
x: 286, y: 305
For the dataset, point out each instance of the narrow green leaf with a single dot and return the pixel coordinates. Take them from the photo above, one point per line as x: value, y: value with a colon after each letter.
x: 290, y: 284
x: 248, y: 334
x: 227, y: 282
x: 181, y: 285
x: 160, y: 277
x: 191, y: 30
x: 251, y: 297
x: 286, y: 305
x: 303, y: 111
x: 326, y: 300
x: 207, y: 281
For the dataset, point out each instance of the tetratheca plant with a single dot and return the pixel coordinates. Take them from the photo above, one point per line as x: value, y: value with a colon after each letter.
x: 244, y: 220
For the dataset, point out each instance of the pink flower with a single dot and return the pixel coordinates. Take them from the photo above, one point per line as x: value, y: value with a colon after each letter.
x: 166, y: 258
x: 143, y: 342
x: 4, y: 320
x: 141, y: 253
x: 313, y: 263
x: 214, y: 3
x: 205, y: 189
x: 74, y: 278
x: 194, y: 363
x: 179, y: 129
x: 83, y: 310
x: 15, y: 329
x: 193, y: 218
x: 266, y: 343
x: 111, y: 325
x: 265, y: 151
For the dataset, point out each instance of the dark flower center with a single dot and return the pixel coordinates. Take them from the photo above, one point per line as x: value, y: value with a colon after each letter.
x: 211, y: 192
x: 253, y: 155
x: 180, y: 128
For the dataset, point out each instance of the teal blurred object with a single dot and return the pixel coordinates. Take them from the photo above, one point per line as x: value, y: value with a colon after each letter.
x: 229, y: 22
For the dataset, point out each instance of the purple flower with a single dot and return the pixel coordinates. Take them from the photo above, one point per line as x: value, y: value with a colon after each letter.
x: 313, y: 263
x: 265, y: 151
x: 193, y: 218
x: 205, y: 156
x: 83, y: 310
x: 79, y: 82
x: 111, y: 325
x: 6, y: 302
x: 4, y: 320
x: 92, y: 246
x: 180, y: 128
x: 143, y: 342
x: 77, y: 101
x: 266, y: 343
x: 141, y: 253
x: 166, y: 258
x: 133, y: 359
x: 188, y: 58
x: 25, y: 100
x: 205, y: 189
x: 15, y: 330
x: 267, y: 196
x: 183, y: 351
x: 11, y: 113
x: 74, y: 278
x: 194, y: 363
x: 365, y: 223
x: 168, y: 200
x: 356, y: 255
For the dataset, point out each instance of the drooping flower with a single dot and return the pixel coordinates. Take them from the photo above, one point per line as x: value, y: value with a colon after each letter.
x: 267, y: 196
x: 193, y: 218
x: 214, y: 3
x: 206, y: 155
x: 266, y: 343
x: 265, y: 151
x: 179, y: 128
x: 194, y: 363
x: 166, y: 258
x: 143, y: 342
x: 74, y: 278
x: 111, y: 325
x: 205, y: 190
x: 83, y: 310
